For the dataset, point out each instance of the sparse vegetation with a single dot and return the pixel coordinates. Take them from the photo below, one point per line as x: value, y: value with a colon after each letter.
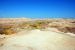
x: 63, y: 25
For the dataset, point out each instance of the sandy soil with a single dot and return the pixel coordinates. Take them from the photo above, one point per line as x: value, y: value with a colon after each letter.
x: 37, y: 40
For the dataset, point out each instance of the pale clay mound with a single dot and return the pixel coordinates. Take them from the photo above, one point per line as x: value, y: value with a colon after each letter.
x: 38, y: 40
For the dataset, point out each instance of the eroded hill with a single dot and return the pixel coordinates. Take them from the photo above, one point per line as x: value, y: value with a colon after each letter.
x: 10, y: 26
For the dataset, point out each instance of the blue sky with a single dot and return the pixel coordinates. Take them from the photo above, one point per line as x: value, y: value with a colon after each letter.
x: 37, y: 8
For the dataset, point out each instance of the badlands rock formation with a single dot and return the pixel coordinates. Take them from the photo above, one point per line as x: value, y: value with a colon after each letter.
x: 38, y: 40
x: 46, y: 34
